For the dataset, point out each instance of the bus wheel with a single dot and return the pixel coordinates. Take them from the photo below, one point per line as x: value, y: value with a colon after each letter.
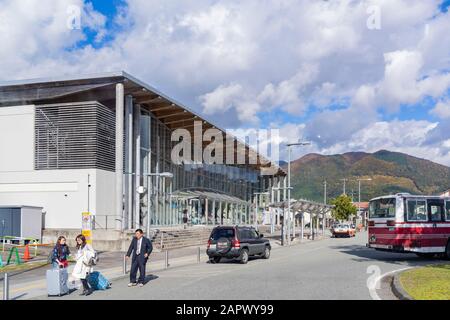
x: 447, y: 251
x: 425, y: 255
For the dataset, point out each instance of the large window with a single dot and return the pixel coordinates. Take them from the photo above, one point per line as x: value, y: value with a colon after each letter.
x: 436, y: 212
x: 447, y: 210
x: 417, y: 210
x: 382, y: 208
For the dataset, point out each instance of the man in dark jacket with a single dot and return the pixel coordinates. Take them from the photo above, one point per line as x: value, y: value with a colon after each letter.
x: 141, y: 247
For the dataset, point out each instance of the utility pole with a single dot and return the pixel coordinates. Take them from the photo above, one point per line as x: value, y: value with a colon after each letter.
x: 344, y: 180
x: 325, y: 203
x: 359, y: 194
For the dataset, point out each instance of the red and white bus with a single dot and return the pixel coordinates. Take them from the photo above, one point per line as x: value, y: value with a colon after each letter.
x: 408, y: 223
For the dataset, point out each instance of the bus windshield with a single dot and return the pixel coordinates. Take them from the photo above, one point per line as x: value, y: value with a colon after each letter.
x: 382, y: 208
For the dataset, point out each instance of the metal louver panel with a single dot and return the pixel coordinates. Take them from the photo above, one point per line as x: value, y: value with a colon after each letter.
x: 74, y: 136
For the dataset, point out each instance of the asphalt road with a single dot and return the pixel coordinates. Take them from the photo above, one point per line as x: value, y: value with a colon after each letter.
x: 326, y: 269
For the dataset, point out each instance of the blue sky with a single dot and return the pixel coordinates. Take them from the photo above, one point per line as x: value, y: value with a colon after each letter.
x: 345, y: 75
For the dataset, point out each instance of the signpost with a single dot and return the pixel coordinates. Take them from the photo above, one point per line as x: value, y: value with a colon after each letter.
x: 86, y: 225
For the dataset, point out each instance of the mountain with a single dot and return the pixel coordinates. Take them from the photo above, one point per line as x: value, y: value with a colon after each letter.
x: 391, y: 172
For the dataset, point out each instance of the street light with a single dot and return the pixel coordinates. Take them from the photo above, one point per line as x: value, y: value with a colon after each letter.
x: 289, y: 145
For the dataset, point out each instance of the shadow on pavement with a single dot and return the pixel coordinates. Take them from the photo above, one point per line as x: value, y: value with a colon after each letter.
x: 150, y: 278
x: 362, y: 253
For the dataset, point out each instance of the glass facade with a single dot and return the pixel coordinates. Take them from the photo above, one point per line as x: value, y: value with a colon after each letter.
x: 164, y: 202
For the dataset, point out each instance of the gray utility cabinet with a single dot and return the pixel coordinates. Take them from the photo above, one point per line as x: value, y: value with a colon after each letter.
x: 21, y: 221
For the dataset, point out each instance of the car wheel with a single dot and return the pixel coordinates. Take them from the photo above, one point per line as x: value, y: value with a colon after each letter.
x: 266, y: 254
x: 244, y: 256
x: 214, y: 260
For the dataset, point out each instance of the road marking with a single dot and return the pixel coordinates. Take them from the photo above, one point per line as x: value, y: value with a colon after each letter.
x: 373, y: 291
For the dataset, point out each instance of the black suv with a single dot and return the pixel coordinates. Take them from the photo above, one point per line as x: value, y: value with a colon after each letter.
x: 236, y: 243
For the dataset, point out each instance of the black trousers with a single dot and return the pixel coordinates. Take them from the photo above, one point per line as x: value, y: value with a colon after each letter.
x: 138, y: 264
x: 85, y: 284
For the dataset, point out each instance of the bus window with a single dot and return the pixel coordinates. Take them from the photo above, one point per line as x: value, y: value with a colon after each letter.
x: 417, y: 210
x: 447, y: 210
x: 436, y: 212
x: 382, y: 208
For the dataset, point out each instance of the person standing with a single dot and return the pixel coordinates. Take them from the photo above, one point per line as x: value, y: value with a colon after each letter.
x: 185, y: 217
x: 83, y: 265
x: 141, y: 248
x: 60, y: 254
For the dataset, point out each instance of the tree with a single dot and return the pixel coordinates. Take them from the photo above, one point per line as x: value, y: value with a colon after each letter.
x: 343, y: 208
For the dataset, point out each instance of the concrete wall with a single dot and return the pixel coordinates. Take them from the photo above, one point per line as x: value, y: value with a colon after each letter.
x: 32, y: 223
x: 17, y: 138
x: 63, y: 194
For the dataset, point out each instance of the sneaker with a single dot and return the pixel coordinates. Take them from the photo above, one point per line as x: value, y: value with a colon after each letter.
x: 141, y: 285
x: 132, y: 284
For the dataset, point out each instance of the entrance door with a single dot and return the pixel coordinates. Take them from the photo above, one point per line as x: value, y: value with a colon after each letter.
x: 436, y: 216
x: 10, y: 222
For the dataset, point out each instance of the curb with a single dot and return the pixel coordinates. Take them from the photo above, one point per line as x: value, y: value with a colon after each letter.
x: 397, y: 288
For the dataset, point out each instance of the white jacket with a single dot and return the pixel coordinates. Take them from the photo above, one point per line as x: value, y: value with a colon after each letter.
x: 82, y: 269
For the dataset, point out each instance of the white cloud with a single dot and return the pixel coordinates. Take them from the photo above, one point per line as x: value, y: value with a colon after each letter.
x: 402, y: 83
x: 221, y: 99
x: 442, y: 109
x: 286, y: 94
x: 245, y: 59
x: 35, y: 32
x: 401, y: 136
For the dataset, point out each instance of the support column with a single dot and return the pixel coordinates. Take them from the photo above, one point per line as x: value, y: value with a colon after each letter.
x: 129, y: 161
x: 120, y: 225
x: 214, y: 212
x: 137, y: 165
x: 206, y: 211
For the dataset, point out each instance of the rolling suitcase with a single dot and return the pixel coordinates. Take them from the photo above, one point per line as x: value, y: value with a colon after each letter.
x: 98, y: 282
x: 57, y: 282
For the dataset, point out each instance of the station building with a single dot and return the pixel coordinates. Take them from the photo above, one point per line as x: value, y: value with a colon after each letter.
x: 102, y: 144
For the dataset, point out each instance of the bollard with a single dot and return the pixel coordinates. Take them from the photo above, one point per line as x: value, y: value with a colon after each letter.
x: 124, y: 267
x: 198, y: 255
x: 6, y: 287
x: 166, y: 260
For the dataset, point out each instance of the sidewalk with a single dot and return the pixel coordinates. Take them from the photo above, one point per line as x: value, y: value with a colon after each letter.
x: 32, y: 284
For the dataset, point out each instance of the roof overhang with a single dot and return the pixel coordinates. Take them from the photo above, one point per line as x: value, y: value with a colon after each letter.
x: 101, y: 87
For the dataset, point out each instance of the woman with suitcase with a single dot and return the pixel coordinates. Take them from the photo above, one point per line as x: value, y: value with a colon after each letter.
x: 60, y: 254
x: 83, y: 266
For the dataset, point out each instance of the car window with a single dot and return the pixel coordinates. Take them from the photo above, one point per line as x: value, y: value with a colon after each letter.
x: 253, y: 234
x: 222, y: 233
x: 244, y: 234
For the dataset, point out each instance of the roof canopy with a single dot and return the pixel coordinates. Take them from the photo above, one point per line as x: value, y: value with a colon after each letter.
x: 101, y: 87
x: 210, y: 195
x: 305, y: 206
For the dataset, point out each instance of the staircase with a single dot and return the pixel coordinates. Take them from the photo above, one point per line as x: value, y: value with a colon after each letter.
x: 165, y: 239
